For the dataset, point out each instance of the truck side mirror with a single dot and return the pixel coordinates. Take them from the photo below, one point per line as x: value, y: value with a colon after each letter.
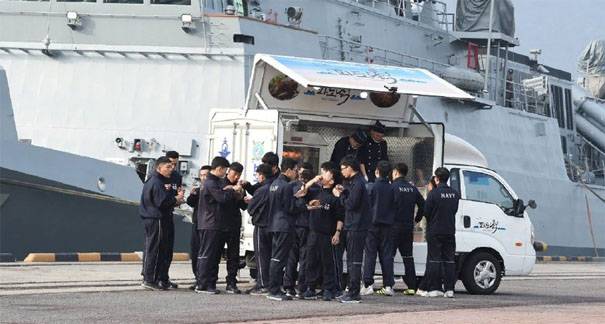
x: 532, y: 204
x: 518, y: 208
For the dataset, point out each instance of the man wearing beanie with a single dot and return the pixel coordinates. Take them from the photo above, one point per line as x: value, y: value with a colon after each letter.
x: 349, y: 145
x: 374, y: 151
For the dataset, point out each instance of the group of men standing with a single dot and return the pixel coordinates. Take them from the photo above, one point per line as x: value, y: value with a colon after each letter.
x: 358, y: 203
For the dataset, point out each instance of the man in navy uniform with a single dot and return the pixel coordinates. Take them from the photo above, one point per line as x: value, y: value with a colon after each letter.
x: 325, y: 225
x: 157, y: 201
x: 282, y: 208
x: 258, y: 208
x: 212, y: 211
x: 296, y: 267
x: 380, y: 240
x: 232, y: 226
x: 176, y: 183
x: 374, y: 151
x: 193, y: 201
x: 407, y: 198
x: 349, y: 145
x: 440, y: 211
x: 354, y: 197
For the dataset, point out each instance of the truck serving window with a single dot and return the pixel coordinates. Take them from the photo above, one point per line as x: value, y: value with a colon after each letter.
x: 485, y: 188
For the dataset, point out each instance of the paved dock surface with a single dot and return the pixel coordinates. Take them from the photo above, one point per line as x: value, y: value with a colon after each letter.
x: 110, y: 293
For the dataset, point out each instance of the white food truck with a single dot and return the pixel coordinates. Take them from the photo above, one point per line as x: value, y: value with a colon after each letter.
x: 300, y: 107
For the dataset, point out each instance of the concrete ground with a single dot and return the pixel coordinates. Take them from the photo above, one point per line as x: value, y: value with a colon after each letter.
x: 109, y: 293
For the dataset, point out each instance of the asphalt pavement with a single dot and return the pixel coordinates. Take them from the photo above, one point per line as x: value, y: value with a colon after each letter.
x: 109, y: 293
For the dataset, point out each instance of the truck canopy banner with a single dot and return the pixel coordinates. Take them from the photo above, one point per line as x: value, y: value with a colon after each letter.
x: 294, y: 84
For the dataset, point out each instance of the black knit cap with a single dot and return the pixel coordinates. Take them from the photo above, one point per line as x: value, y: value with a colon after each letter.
x: 378, y: 127
x: 360, y: 136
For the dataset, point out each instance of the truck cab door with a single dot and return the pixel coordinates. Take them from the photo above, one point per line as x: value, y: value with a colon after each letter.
x: 487, y: 212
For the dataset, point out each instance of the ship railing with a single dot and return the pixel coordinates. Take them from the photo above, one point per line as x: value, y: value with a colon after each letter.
x: 439, y: 16
x: 334, y: 48
x: 518, y: 96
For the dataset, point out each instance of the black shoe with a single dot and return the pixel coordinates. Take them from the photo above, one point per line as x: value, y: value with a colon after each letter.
x: 168, y: 284
x: 208, y: 291
x: 350, y: 299
x: 279, y: 297
x: 192, y: 287
x: 309, y: 295
x: 257, y: 291
x: 327, y: 296
x: 339, y: 295
x: 152, y: 286
x: 320, y: 293
x: 232, y: 289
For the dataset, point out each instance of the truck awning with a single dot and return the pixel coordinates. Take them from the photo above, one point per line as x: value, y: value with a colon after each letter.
x: 288, y: 83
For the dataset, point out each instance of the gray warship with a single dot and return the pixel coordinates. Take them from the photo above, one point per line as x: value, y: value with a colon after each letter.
x: 100, y: 88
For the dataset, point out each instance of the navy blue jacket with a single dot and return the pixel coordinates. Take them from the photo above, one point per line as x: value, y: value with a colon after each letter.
x: 213, y: 204
x: 251, y: 188
x: 356, y: 203
x: 382, y: 201
x: 157, y: 200
x: 371, y: 154
x: 233, y: 216
x: 193, y: 201
x: 258, y: 208
x: 343, y: 148
x: 324, y: 220
x: 407, y: 197
x: 440, y: 210
x: 302, y: 217
x: 283, y: 206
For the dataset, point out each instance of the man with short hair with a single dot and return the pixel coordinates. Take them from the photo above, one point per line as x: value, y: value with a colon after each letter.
x: 232, y: 226
x: 354, y: 197
x: 258, y: 208
x: 176, y: 182
x: 379, y: 239
x: 282, y: 207
x: 193, y: 201
x: 271, y: 159
x: 325, y: 225
x: 214, y: 199
x: 157, y: 202
x: 296, y: 266
x: 407, y: 198
x: 440, y: 211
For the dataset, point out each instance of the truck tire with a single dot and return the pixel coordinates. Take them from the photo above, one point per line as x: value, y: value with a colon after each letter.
x: 481, y: 273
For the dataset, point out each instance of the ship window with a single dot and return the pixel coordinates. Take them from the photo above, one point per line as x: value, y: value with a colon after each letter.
x: 569, y: 109
x: 76, y: 0
x: 172, y: 2
x: 123, y: 1
x: 557, y: 103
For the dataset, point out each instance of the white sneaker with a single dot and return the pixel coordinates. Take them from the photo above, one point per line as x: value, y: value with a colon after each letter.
x: 386, y: 291
x: 366, y: 291
x: 421, y: 293
x: 435, y: 293
x: 449, y: 294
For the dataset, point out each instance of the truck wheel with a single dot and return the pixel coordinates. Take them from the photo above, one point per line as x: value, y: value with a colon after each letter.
x: 481, y: 274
